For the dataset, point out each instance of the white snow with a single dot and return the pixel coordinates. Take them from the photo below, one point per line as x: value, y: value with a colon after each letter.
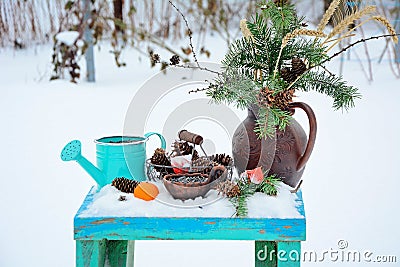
x: 67, y: 37
x: 350, y: 187
x: 106, y: 203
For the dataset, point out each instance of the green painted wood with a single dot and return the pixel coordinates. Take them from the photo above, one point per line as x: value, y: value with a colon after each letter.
x: 130, y: 257
x: 187, y: 228
x: 271, y: 235
x: 116, y: 252
x: 289, y: 254
x: 265, y: 254
x: 90, y: 253
x: 150, y: 228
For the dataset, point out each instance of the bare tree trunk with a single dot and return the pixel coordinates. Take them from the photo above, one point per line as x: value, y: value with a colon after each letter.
x: 89, y: 54
x: 118, y: 10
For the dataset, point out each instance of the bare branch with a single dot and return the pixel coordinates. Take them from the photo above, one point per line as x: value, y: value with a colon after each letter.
x: 189, y: 32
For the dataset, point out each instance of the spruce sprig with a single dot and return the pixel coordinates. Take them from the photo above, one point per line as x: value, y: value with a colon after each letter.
x: 269, y: 119
x: 283, y: 18
x: 343, y: 95
x: 255, y: 62
x: 235, y: 88
x: 269, y: 186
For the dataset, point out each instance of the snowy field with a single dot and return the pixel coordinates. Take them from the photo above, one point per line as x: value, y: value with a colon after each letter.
x: 350, y: 184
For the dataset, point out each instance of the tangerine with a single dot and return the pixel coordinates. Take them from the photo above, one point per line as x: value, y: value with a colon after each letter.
x: 146, y: 191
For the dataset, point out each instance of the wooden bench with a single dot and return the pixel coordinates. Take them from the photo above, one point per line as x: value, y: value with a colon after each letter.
x: 277, y: 241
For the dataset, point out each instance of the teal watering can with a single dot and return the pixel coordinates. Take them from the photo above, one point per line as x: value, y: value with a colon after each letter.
x: 117, y: 156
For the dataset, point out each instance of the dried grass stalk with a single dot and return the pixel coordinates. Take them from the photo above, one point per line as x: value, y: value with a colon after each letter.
x: 342, y: 25
x: 245, y: 30
x: 328, y: 15
x: 385, y: 22
x: 298, y: 32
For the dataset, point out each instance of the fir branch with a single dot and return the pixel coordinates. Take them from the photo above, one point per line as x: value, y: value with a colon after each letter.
x: 305, y: 49
x: 283, y: 18
x: 265, y: 125
x: 233, y: 88
x: 270, y: 185
x: 240, y: 204
x: 269, y: 119
x: 333, y: 86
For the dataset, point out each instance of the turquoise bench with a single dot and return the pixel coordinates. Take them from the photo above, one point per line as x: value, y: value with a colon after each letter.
x: 277, y: 241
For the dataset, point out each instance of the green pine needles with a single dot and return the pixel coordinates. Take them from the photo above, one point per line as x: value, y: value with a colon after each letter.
x: 268, y: 186
x: 272, y: 60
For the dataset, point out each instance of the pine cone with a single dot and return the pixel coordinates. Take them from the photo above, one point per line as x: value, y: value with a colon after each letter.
x: 124, y: 184
x: 298, y: 66
x: 183, y: 148
x: 174, y: 60
x: 284, y: 98
x: 280, y: 100
x: 288, y: 75
x: 234, y: 192
x: 159, y: 158
x: 175, y: 149
x: 228, y: 189
x: 265, y: 97
x: 222, y: 159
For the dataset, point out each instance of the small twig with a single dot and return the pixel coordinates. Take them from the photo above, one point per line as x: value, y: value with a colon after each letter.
x: 153, y: 39
x: 297, y: 187
x: 338, y: 53
x: 189, y: 33
x: 198, y: 67
x: 350, y: 46
x: 330, y: 73
x: 198, y: 90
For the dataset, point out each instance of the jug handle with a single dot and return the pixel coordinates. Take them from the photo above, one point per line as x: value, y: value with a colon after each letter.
x: 163, y: 144
x: 312, y: 135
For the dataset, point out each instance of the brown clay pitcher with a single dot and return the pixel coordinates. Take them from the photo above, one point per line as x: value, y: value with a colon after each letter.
x: 285, y: 155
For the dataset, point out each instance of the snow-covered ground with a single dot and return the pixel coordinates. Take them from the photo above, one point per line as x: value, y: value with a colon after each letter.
x: 350, y: 183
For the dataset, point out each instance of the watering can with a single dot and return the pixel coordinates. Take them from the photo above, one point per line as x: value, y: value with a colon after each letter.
x: 117, y: 156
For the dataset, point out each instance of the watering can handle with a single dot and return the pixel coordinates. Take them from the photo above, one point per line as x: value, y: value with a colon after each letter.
x: 163, y: 144
x: 311, y: 137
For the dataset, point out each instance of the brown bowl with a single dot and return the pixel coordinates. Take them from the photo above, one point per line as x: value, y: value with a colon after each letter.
x: 185, y: 191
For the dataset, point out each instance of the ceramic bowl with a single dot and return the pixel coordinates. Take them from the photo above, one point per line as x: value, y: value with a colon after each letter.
x: 184, y: 191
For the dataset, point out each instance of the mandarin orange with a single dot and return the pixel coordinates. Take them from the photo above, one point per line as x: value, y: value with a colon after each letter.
x: 146, y: 191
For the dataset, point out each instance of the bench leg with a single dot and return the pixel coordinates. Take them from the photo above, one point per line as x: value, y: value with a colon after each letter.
x: 116, y: 252
x: 90, y: 253
x: 265, y: 254
x: 277, y: 254
x: 130, y: 253
x: 289, y: 254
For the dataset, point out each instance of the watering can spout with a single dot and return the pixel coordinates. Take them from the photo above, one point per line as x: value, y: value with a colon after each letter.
x: 72, y: 151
